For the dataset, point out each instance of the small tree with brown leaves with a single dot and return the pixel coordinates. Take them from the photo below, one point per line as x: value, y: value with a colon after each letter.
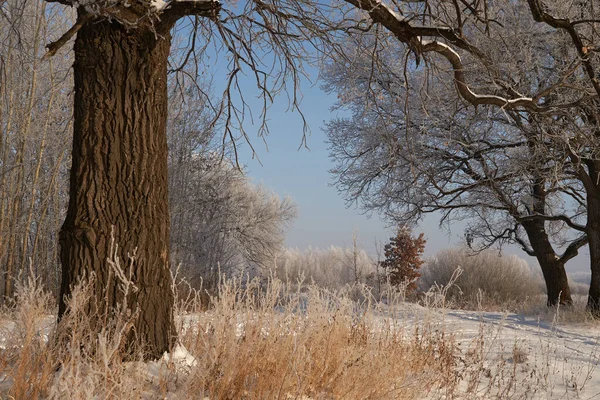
x: 403, y: 259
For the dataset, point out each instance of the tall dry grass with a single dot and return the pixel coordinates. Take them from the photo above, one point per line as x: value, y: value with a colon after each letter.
x: 277, y: 344
x: 252, y: 342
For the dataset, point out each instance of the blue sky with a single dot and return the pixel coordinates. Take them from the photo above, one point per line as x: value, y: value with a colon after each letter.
x: 303, y: 174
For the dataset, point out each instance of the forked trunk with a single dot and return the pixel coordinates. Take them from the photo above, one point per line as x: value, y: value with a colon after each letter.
x: 119, y: 179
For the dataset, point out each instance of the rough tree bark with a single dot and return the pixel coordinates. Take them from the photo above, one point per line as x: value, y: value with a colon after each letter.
x: 119, y: 176
x: 593, y: 233
x: 118, y: 182
x: 587, y: 172
x: 553, y: 266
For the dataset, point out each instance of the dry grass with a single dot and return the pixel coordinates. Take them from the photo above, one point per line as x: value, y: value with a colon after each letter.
x: 561, y: 314
x: 268, y: 342
x: 316, y: 344
x: 24, y: 352
x: 251, y: 343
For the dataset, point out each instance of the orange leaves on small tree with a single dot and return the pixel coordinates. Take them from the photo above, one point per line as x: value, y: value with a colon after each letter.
x: 403, y: 258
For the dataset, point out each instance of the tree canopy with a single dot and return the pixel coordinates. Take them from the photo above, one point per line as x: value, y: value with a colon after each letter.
x: 496, y: 101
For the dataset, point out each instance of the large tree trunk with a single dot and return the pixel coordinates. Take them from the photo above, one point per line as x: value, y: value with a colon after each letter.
x: 119, y: 178
x: 553, y: 269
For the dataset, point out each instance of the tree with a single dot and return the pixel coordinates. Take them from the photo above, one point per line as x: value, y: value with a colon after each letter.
x: 352, y: 260
x: 548, y: 83
x: 403, y: 259
x: 423, y: 155
x: 34, y: 142
x: 328, y: 268
x: 224, y: 224
x: 118, y: 180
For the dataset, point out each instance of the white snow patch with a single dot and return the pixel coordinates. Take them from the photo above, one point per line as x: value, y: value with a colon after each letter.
x: 398, y: 17
x: 526, y: 356
x: 180, y: 360
x: 159, y: 5
x: 181, y: 357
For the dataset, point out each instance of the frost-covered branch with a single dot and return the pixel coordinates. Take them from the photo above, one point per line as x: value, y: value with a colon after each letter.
x: 463, y: 89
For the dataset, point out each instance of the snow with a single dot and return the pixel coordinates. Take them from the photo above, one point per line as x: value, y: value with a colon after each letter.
x: 44, y: 327
x: 451, y: 55
x: 516, y: 355
x: 180, y: 360
x: 398, y: 17
x: 542, y: 359
x: 440, y: 44
x: 180, y: 357
x: 159, y: 5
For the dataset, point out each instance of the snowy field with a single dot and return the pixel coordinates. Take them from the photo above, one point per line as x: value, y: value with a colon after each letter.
x: 494, y: 355
x: 504, y: 355
x: 524, y: 357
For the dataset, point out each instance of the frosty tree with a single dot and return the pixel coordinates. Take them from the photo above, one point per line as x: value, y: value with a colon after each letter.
x: 427, y: 154
x: 535, y: 62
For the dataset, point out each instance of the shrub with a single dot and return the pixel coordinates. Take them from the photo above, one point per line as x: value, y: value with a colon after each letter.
x: 403, y: 259
x: 579, y: 283
x: 486, y: 277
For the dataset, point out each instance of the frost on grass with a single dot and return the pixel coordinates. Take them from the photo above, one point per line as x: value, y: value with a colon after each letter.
x: 277, y: 343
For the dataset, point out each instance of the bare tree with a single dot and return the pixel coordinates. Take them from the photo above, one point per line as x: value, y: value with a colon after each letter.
x: 224, y: 224
x: 546, y: 88
x: 405, y: 162
x: 34, y: 138
x: 351, y: 260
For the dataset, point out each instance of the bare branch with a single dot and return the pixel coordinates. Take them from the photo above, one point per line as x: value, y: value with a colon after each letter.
x: 562, y: 218
x: 573, y: 249
x: 540, y: 15
x: 55, y: 46
x: 524, y: 245
x: 177, y: 9
x: 64, y: 2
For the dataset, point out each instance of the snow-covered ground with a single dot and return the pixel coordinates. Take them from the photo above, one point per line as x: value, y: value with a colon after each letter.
x: 513, y: 356
x: 499, y: 355
x: 503, y: 355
